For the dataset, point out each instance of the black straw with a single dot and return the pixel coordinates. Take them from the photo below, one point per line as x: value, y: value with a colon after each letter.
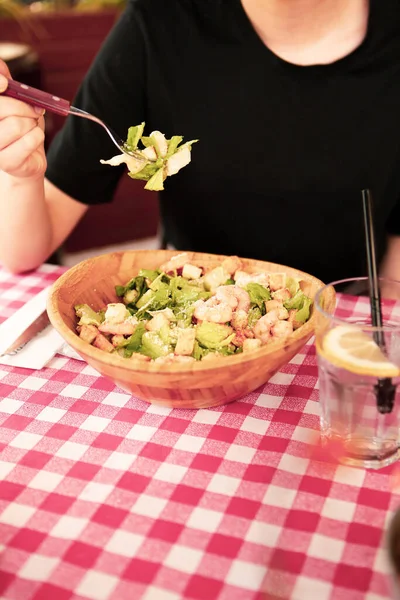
x: 384, y: 389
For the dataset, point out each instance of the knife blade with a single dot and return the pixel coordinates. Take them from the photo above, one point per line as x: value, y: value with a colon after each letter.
x: 38, y: 325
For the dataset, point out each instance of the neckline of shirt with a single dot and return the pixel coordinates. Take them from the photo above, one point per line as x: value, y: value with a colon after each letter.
x: 337, y: 65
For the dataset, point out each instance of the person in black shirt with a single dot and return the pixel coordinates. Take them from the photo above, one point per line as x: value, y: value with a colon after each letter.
x: 296, y: 106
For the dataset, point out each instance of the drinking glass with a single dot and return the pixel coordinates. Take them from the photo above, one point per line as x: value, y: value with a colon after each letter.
x: 359, y: 372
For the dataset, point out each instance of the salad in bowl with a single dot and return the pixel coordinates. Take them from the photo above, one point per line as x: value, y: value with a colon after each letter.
x: 183, y: 312
x: 153, y: 322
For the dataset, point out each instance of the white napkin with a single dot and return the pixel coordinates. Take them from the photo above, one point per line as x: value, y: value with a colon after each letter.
x: 40, y: 349
x: 36, y: 353
x: 11, y: 329
x: 69, y: 352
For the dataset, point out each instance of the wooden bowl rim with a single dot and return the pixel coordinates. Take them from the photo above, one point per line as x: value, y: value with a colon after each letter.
x: 302, y: 334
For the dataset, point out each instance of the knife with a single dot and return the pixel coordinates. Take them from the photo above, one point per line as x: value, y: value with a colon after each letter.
x: 38, y: 325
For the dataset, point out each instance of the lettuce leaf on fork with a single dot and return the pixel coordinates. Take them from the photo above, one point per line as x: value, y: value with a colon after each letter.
x: 134, y: 136
x: 161, y: 157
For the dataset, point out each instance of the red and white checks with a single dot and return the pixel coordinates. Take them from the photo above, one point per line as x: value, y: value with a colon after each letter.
x: 105, y: 497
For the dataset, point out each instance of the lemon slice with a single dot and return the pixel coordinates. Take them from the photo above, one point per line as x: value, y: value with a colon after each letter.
x: 352, y: 349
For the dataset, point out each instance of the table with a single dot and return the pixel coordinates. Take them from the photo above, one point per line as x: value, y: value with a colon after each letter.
x: 105, y: 497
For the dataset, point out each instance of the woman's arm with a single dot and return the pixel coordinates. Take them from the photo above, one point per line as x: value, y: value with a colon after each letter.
x: 36, y: 218
x: 42, y: 200
x: 390, y: 267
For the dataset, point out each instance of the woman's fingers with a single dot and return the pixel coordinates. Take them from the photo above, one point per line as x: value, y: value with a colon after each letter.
x: 21, y: 134
x: 42, y: 123
x: 4, y: 70
x: 3, y: 84
x: 13, y: 128
x: 25, y: 156
x: 10, y: 106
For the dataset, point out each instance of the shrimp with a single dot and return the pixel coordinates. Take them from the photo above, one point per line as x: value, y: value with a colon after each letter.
x: 262, y: 329
x: 212, y: 310
x: 249, y: 344
x: 240, y: 322
x: 235, y: 296
x: 239, y: 338
x: 271, y: 305
x: 281, y: 330
x: 240, y: 319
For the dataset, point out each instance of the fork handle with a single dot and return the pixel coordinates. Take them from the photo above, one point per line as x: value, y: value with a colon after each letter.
x: 31, y: 95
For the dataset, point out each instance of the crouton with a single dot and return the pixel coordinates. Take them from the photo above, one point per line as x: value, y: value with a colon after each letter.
x: 282, y: 295
x: 126, y: 328
x: 102, y: 343
x: 185, y: 341
x: 88, y: 333
x: 277, y: 281
x: 231, y: 264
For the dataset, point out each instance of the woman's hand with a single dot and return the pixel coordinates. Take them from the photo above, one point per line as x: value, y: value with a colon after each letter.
x: 22, y: 152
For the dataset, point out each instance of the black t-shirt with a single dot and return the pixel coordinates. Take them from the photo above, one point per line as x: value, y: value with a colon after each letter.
x: 284, y: 150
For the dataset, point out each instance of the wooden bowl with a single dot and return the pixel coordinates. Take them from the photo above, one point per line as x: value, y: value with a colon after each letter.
x: 192, y: 385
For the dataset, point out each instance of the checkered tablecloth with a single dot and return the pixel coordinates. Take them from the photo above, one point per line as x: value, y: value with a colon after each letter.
x: 105, y: 497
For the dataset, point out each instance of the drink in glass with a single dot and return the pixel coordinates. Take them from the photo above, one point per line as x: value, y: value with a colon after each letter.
x: 359, y: 372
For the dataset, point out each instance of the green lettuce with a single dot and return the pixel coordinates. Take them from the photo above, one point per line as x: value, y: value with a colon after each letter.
x: 156, y: 181
x: 303, y: 313
x: 184, y: 314
x: 198, y: 351
x: 136, y: 283
x: 134, y: 135
x: 258, y: 295
x: 154, y: 300
x: 148, y: 171
x: 149, y: 274
x: 173, y: 144
x: 296, y: 302
x: 302, y: 304
x: 254, y: 314
x: 157, y: 159
x: 154, y: 346
x: 87, y: 316
x: 161, y: 280
x: 293, y: 285
x: 135, y: 341
x: 184, y: 292
x: 213, y: 335
x: 227, y: 350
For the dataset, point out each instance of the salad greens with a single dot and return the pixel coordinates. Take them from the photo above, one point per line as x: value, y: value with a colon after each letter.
x: 158, y: 159
x: 181, y: 312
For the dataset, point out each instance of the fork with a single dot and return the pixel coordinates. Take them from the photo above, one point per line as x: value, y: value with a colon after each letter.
x: 35, y: 97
